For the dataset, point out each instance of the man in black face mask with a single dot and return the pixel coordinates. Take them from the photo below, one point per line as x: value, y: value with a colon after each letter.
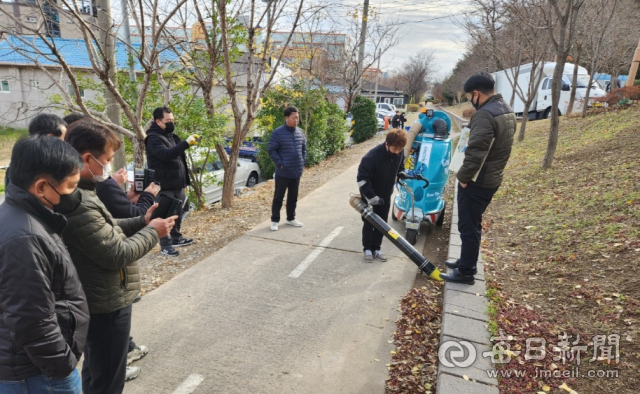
x: 490, y: 138
x: 44, y: 315
x: 165, y: 155
x: 376, y: 176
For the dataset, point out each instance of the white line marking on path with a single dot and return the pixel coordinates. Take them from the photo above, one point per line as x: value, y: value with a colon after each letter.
x: 316, y: 252
x: 189, y: 384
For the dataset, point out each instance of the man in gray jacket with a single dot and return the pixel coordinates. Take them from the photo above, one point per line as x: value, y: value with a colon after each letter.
x: 288, y: 150
x: 491, y: 135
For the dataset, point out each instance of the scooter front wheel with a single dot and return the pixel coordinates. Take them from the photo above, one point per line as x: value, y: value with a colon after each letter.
x: 412, y: 236
x: 440, y: 220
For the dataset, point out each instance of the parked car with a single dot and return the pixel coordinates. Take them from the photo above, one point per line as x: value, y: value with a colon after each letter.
x: 380, y: 118
x: 386, y: 109
x: 247, y: 174
x: 249, y: 149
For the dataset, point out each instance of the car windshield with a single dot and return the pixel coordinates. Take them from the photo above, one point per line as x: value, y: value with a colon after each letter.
x: 582, y: 81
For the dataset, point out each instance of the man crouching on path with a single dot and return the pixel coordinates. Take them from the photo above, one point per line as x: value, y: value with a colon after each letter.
x: 377, y: 174
x: 105, y: 251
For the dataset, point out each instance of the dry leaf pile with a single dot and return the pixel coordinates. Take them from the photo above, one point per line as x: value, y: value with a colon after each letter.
x: 414, y: 364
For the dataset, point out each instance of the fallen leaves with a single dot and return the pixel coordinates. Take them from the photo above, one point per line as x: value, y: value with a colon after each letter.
x: 414, y: 364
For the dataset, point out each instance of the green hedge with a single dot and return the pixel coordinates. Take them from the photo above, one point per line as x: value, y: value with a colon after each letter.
x: 413, y: 108
x: 364, y: 116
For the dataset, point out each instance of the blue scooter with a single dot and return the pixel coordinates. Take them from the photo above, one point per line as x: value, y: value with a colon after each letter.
x: 427, y: 172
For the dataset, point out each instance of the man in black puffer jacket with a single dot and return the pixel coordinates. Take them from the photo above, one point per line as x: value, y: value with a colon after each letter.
x: 288, y: 150
x: 165, y: 155
x: 377, y: 174
x: 492, y: 127
x: 44, y: 316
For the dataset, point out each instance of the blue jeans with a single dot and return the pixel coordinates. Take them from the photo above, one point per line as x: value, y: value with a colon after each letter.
x: 43, y: 385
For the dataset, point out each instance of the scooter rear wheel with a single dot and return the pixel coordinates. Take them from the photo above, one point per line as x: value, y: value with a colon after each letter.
x: 412, y: 236
x: 440, y: 220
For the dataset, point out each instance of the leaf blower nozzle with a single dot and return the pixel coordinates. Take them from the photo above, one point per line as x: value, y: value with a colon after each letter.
x: 392, y: 235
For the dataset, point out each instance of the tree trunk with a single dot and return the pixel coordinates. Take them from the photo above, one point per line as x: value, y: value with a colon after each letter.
x: 525, y: 119
x: 574, y: 82
x: 556, y: 88
x: 138, y: 152
x: 229, y: 179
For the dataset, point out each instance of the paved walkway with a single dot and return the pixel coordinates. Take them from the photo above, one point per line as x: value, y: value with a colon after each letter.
x: 465, y: 327
x: 292, y: 311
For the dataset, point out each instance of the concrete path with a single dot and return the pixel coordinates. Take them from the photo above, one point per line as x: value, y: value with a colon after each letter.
x: 464, y: 329
x: 292, y: 311
x: 1, y: 198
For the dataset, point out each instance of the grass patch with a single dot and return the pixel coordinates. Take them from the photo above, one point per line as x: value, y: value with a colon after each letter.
x: 561, y: 245
x: 8, y: 138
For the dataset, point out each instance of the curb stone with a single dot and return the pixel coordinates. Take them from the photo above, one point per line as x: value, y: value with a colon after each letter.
x: 464, y: 318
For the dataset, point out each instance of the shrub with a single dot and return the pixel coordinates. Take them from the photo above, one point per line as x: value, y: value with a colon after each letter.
x: 468, y: 113
x: 617, y: 95
x: 413, y: 107
x: 364, y: 115
x: 636, y: 82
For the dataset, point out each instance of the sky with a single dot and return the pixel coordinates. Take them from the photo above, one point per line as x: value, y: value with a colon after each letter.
x: 426, y: 25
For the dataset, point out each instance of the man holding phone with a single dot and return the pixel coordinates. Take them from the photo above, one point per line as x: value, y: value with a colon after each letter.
x: 166, y: 156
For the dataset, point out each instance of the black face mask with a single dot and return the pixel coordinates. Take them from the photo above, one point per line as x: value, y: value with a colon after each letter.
x: 68, y: 202
x: 476, y: 105
x: 392, y: 155
x: 169, y: 127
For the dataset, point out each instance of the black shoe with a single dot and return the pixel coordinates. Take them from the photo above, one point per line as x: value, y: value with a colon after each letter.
x: 456, y: 277
x: 138, y: 298
x: 169, y: 251
x: 182, y: 242
x: 452, y: 264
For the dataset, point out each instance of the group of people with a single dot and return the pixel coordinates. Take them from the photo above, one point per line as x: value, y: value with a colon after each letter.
x: 398, y: 120
x: 71, y: 236
x: 69, y: 244
x: 490, y: 139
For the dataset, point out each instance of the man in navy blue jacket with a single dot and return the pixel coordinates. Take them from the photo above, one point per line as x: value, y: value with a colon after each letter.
x: 288, y: 150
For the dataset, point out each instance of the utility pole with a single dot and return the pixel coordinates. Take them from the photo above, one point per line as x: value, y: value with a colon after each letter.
x: 105, y: 24
x: 363, y: 36
x: 634, y: 66
x: 375, y: 94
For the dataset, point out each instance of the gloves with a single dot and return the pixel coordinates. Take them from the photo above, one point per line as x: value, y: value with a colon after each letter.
x: 193, y: 139
x: 402, y: 175
x: 376, y: 201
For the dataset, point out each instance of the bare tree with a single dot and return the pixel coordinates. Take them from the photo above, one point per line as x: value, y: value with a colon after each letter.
x: 261, y: 66
x: 602, y: 12
x: 382, y: 34
x: 414, y: 76
x: 36, y: 43
x: 560, y: 18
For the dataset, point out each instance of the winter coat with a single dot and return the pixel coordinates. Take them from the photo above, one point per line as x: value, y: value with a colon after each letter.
x: 378, y: 171
x: 396, y: 120
x: 288, y: 150
x: 494, y: 119
x: 165, y: 155
x: 44, y: 316
x: 105, y: 251
x: 117, y: 203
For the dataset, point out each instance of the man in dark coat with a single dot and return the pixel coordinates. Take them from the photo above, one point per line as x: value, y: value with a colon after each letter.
x: 121, y: 204
x: 44, y: 315
x: 396, y: 120
x: 377, y: 174
x: 288, y: 150
x: 165, y: 155
x: 492, y: 127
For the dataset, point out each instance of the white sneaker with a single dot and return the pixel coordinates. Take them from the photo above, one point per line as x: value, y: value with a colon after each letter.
x: 132, y: 373
x: 294, y: 223
x: 368, y: 256
x: 137, y: 353
x: 274, y: 226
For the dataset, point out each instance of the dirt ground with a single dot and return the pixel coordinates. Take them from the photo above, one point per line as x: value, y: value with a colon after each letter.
x: 215, y: 227
x: 561, y: 249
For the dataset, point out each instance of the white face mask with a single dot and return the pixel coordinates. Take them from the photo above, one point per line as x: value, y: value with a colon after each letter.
x: 106, y: 171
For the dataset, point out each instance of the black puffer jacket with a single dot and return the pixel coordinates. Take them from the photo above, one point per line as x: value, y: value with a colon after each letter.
x: 43, y: 308
x: 494, y: 119
x: 288, y: 150
x: 117, y: 202
x: 165, y: 155
x: 378, y: 171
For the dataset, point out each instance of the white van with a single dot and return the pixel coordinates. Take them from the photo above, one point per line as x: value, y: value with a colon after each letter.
x: 386, y: 109
x: 541, y: 105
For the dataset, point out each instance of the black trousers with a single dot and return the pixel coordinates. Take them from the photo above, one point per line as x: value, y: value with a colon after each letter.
x: 175, y: 231
x: 105, y: 354
x: 472, y: 202
x: 372, y: 238
x: 291, y: 186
